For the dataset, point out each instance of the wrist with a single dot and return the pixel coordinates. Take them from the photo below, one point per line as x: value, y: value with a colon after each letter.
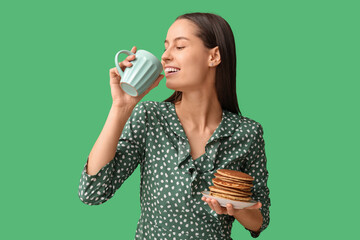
x: 123, y: 107
x: 251, y: 219
x: 121, y: 111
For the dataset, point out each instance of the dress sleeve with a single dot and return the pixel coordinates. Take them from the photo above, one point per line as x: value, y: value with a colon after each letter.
x: 97, y: 189
x: 256, y: 167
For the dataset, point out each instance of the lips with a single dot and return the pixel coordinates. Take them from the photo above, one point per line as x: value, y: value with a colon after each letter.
x: 171, y: 70
x: 169, y: 74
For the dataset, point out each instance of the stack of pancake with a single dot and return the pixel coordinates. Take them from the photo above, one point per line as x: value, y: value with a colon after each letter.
x: 231, y: 184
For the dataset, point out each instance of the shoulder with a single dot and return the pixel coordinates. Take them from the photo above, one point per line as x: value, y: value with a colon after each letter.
x: 242, y: 121
x: 154, y: 107
x: 147, y: 106
x: 152, y: 110
x: 245, y: 124
x: 152, y: 104
x: 144, y: 113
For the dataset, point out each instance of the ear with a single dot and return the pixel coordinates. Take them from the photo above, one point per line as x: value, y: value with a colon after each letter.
x: 214, y: 57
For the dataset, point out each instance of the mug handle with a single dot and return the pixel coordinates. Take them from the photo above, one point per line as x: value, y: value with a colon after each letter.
x: 117, y: 60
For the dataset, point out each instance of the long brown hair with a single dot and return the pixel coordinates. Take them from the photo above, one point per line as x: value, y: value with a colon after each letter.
x: 214, y: 31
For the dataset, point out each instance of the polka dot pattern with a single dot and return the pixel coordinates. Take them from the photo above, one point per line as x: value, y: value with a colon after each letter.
x: 171, y: 180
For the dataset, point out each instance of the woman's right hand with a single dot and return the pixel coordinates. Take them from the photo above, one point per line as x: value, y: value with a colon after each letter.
x: 121, y: 98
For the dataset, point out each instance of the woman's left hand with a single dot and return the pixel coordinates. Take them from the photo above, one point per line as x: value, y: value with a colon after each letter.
x: 229, y: 209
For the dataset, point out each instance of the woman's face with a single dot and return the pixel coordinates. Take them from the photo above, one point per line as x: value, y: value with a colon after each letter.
x: 186, y: 59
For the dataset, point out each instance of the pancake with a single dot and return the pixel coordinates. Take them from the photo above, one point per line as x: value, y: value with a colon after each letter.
x: 232, y: 190
x: 235, y: 174
x: 227, y: 192
x: 217, y: 175
x: 230, y: 184
x: 233, y: 185
x: 227, y: 179
x: 242, y: 199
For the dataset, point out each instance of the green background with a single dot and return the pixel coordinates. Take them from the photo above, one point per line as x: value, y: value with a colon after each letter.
x: 297, y: 74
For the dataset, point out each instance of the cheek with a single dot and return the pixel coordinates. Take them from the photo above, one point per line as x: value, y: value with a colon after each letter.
x: 195, y: 69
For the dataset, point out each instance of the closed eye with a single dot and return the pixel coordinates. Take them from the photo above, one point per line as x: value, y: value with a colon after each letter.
x: 179, y: 48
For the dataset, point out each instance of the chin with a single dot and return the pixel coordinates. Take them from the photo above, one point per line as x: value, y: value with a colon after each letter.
x: 181, y: 86
x: 172, y: 86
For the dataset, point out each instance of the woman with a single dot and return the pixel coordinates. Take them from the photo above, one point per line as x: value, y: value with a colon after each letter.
x: 181, y: 142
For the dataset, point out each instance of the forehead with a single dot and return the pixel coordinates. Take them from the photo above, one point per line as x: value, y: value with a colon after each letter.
x: 181, y: 28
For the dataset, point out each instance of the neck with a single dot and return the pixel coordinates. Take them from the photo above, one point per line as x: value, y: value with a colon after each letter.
x: 199, y: 111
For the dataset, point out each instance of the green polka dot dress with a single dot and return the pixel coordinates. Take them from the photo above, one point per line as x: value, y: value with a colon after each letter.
x: 171, y: 181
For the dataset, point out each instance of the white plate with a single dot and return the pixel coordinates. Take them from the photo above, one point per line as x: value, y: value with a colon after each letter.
x: 224, y: 201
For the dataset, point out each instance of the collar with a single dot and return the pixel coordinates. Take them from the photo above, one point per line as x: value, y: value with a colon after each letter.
x: 229, y: 123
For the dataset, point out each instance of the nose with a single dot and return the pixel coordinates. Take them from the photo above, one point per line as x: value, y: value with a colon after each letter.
x: 166, y: 56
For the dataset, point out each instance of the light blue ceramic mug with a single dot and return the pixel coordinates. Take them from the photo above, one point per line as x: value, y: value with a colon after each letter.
x: 141, y: 75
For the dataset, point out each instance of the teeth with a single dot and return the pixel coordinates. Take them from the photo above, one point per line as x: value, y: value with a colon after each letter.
x: 171, y: 70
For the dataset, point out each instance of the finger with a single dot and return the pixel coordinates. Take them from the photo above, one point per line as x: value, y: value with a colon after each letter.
x: 205, y: 199
x: 208, y: 200
x: 115, y: 77
x: 218, y: 208
x: 133, y: 49
x: 125, y: 64
x: 230, y: 209
x: 130, y: 58
x: 114, y: 74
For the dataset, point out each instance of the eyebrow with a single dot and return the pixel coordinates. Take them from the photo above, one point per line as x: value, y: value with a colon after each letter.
x: 178, y: 38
